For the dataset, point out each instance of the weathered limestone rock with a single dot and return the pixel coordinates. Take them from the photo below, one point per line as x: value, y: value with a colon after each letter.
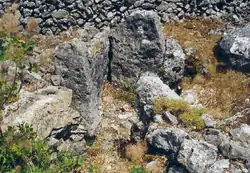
x: 196, y: 156
x: 46, y: 109
x: 138, y: 46
x: 168, y: 139
x: 234, y: 48
x: 82, y: 66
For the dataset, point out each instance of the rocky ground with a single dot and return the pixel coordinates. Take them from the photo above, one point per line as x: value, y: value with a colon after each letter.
x: 170, y: 97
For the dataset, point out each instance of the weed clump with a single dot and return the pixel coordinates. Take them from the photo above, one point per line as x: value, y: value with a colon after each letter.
x: 21, y: 152
x: 174, y: 106
x: 135, y: 152
x: 139, y: 170
x: 190, y: 117
x: 120, y: 93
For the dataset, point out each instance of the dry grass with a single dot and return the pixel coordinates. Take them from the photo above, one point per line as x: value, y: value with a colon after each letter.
x: 51, y: 41
x: 136, y: 152
x: 9, y: 22
x: 32, y: 26
x: 194, y: 33
x: 217, y: 93
x: 118, y: 93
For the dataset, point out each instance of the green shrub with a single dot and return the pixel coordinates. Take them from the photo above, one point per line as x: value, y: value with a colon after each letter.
x: 12, y: 48
x: 174, y: 106
x: 20, y: 152
x: 192, y: 118
x: 139, y: 170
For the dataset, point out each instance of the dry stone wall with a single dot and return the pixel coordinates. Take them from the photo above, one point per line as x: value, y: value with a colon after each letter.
x: 4, y: 4
x: 55, y: 16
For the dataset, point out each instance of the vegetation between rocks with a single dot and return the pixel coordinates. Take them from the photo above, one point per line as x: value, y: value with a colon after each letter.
x: 20, y: 151
x: 190, y: 117
x: 221, y: 89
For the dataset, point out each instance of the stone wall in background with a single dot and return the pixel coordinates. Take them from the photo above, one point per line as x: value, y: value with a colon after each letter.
x: 55, y: 16
x: 4, y: 4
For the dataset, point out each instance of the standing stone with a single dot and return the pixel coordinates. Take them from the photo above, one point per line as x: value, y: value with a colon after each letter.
x: 138, y: 46
x: 82, y: 66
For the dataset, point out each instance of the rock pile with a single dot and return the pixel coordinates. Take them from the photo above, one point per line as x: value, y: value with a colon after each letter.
x: 4, y: 4
x: 57, y: 15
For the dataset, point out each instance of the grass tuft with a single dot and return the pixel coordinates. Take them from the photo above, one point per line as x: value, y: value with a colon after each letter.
x: 174, y: 106
x: 221, y: 89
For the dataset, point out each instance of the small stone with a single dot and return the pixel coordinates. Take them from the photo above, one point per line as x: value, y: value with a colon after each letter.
x: 209, y: 120
x: 59, y: 14
x: 125, y: 115
x: 167, y: 116
x: 157, y: 118
x: 56, y: 80
x: 126, y: 108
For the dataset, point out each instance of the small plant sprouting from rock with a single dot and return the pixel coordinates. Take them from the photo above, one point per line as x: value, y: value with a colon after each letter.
x: 139, y: 170
x: 12, y: 49
x: 190, y: 117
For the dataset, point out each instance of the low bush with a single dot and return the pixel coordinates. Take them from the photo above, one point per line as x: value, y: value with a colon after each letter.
x: 21, y: 152
x: 192, y: 118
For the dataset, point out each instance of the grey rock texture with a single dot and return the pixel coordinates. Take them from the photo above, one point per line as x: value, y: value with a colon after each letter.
x: 58, y: 15
x: 138, y: 46
x: 209, y: 121
x: 214, y: 136
x: 219, y: 166
x: 46, y: 109
x: 173, y: 63
x: 196, y: 156
x: 168, y: 139
x: 176, y: 169
x: 4, y: 4
x: 238, y: 146
x: 149, y: 87
x: 184, y: 153
x: 234, y: 48
x: 82, y: 66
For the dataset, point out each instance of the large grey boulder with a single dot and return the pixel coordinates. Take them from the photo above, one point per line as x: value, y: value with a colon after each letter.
x: 197, y: 156
x: 82, y: 66
x: 149, y: 87
x: 139, y: 46
x: 167, y: 139
x: 238, y: 147
x: 234, y: 48
x: 45, y: 109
